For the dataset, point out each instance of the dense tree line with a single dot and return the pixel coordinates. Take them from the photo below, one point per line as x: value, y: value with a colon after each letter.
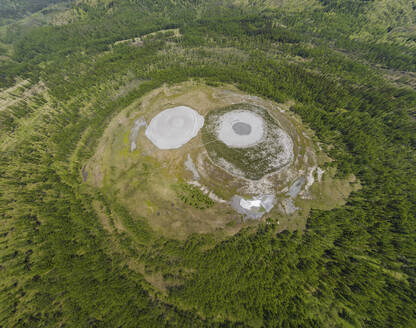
x: 13, y: 9
x: 352, y: 266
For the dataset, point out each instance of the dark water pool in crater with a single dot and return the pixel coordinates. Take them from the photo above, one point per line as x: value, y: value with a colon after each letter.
x: 241, y: 128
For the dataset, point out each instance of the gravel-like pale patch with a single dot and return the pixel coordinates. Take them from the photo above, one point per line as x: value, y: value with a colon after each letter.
x: 253, y: 208
x: 135, y: 132
x: 190, y: 166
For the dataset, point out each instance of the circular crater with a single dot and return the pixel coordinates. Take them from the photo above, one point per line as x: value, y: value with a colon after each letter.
x: 246, y: 141
x: 240, y: 128
x: 174, y: 127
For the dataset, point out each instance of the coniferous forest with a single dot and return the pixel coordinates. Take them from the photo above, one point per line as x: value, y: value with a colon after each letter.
x: 348, y: 70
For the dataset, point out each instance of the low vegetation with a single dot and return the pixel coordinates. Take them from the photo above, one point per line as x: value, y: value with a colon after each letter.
x: 193, y: 196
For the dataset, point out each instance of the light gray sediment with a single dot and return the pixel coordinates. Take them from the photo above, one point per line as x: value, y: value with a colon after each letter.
x: 261, y: 205
x: 135, y: 132
x: 189, y: 164
x: 287, y: 205
x: 296, y: 187
x: 174, y: 127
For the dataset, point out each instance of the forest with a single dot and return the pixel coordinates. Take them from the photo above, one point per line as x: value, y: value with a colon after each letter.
x: 346, y: 70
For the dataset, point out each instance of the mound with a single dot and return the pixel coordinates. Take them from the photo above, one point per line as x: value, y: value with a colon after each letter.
x: 169, y: 189
x: 174, y: 127
x: 246, y: 141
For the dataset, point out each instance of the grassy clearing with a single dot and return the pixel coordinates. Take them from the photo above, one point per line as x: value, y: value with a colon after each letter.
x: 174, y: 33
x: 146, y: 180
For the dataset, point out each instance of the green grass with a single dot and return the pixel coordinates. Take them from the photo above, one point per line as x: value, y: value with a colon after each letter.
x: 192, y: 196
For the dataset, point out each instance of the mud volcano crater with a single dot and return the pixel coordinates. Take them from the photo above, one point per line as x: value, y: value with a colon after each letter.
x: 246, y: 141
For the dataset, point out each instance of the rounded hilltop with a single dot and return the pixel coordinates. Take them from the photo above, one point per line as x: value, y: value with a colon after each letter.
x: 189, y: 148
